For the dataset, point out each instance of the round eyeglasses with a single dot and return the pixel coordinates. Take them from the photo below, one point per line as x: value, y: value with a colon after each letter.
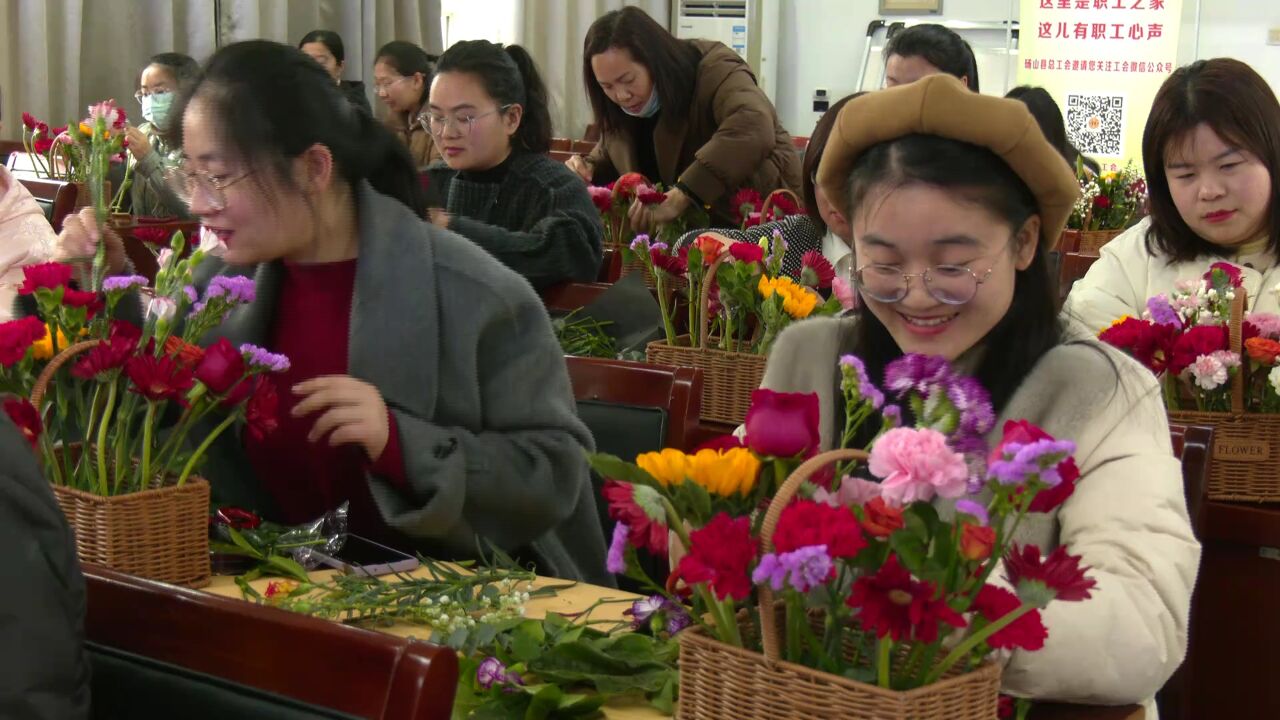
x: 948, y: 284
x: 186, y: 184
x: 441, y: 124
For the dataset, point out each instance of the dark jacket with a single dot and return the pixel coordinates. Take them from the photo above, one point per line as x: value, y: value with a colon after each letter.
x: 463, y: 353
x: 353, y: 90
x: 730, y: 139
x: 539, y: 220
x: 44, y: 672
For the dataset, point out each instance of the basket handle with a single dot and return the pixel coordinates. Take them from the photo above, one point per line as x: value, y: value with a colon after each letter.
x: 41, y: 385
x: 1235, y: 341
x: 768, y: 620
x: 704, y: 299
x: 768, y: 202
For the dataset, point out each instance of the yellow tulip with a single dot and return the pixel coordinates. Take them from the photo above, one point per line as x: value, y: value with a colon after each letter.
x: 725, y: 472
x: 799, y: 302
x: 669, y: 467
x: 43, y: 348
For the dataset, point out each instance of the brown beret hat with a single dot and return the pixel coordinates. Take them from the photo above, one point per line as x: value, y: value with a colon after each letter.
x: 941, y: 105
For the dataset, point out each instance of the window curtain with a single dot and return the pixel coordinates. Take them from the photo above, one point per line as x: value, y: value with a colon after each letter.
x: 61, y: 55
x: 553, y: 31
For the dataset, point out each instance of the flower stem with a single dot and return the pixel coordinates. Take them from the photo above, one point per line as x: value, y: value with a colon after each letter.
x: 104, y: 424
x: 199, y: 453
x: 667, y: 325
x: 883, y: 648
x: 145, y: 478
x: 968, y: 644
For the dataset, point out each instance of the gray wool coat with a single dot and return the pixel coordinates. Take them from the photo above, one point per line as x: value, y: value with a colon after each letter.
x: 462, y: 350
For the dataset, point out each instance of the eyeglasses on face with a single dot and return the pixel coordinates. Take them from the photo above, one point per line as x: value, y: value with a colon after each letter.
x: 185, y: 184
x: 463, y: 122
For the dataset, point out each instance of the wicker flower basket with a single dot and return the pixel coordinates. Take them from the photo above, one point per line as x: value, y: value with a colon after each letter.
x: 1246, y: 459
x: 161, y: 533
x: 721, y: 681
x: 728, y: 377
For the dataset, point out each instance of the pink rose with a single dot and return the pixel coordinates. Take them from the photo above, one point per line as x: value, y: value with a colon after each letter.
x: 916, y: 464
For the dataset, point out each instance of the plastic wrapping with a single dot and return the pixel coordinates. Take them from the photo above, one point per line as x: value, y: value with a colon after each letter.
x: 327, y: 533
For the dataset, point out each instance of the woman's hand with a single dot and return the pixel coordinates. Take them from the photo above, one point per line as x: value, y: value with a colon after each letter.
x: 439, y: 217
x: 350, y: 411
x: 580, y: 166
x: 139, y: 145
x: 80, y: 237
x: 647, y: 218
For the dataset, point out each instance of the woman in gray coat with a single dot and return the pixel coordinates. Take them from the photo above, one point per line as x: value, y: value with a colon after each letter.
x: 426, y: 387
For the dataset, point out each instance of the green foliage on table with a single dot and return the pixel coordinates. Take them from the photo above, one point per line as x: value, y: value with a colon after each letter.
x: 584, y: 336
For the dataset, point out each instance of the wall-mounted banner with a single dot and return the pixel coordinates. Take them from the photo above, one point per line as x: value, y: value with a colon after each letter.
x: 1103, y: 61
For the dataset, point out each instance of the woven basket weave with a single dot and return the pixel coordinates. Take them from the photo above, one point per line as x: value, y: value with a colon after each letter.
x: 721, y: 681
x: 1089, y: 242
x: 1246, y: 460
x: 161, y: 533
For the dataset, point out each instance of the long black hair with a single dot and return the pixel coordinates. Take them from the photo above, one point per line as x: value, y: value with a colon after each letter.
x: 329, y: 39
x: 1031, y: 326
x: 510, y: 77
x: 408, y: 59
x: 940, y: 46
x: 1049, y: 117
x: 273, y: 102
x: 672, y: 63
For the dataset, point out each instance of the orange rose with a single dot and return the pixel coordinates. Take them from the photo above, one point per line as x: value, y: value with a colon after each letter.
x: 976, y: 541
x: 710, y: 248
x: 1263, y: 350
x: 880, y: 520
x: 185, y: 353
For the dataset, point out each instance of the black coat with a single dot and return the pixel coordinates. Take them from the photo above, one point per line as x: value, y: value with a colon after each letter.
x: 354, y: 92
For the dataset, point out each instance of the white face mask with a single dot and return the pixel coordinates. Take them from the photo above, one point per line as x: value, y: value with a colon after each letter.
x: 651, y: 107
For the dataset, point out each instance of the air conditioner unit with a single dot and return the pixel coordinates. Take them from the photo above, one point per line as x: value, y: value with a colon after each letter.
x: 750, y: 27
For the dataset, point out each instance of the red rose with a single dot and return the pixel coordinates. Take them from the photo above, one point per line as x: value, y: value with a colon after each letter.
x: 627, y: 185
x: 710, y: 248
x: 18, y: 335
x: 880, y: 520
x: 51, y: 275
x: 1199, y: 340
x: 782, y: 424
x: 221, y: 367
x: 804, y: 523
x: 1102, y: 202
x: 26, y: 418
x: 238, y: 518
x: 747, y: 252
x: 260, y: 414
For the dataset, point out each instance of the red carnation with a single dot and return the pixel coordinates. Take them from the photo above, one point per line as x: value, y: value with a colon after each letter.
x: 25, y: 416
x: 158, y: 378
x: 1102, y: 202
x: 601, y: 197
x: 891, y: 603
x: 152, y: 235
x: 721, y: 556
x: 18, y: 335
x: 1149, y: 343
x: 672, y: 264
x: 804, y: 523
x: 1023, y: 432
x: 261, y: 413
x: 782, y: 424
x: 650, y: 195
x: 1199, y: 340
x: 1232, y: 274
x: 880, y: 520
x: 30, y: 121
x: 1040, y: 580
x: 747, y: 252
x: 640, y: 508
x: 815, y: 270
x: 78, y: 298
x: 50, y: 275
x: 1026, y: 633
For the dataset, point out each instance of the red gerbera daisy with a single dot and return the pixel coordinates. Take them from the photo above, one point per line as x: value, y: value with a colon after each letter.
x: 1027, y: 632
x: 26, y: 417
x: 891, y: 603
x: 640, y: 508
x: 805, y: 522
x: 745, y: 202
x: 815, y: 270
x: 107, y: 355
x: 158, y: 378
x: 1042, y: 579
x: 781, y: 206
x: 721, y: 556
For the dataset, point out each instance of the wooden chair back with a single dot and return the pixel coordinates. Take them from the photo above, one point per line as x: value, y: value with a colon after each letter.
x: 56, y: 197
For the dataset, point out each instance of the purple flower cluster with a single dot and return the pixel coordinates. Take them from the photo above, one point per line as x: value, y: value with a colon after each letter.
x: 492, y: 672
x: 1162, y: 312
x: 235, y: 288
x: 974, y: 509
x: 1020, y: 462
x: 640, y: 245
x: 916, y: 373
x: 801, y: 569
x: 643, y: 610
x: 120, y: 283
x: 957, y: 405
x: 855, y: 379
x: 260, y: 359
x: 616, y: 561
x: 190, y: 292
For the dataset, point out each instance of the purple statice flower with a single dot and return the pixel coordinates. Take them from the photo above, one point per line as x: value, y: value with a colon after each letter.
x: 261, y: 359
x: 120, y: 283
x: 1162, y: 312
x: 491, y: 672
x: 915, y: 373
x: 967, y: 395
x: 235, y: 288
x: 892, y: 415
x: 190, y: 292
x: 854, y: 377
x: 616, y: 562
x: 198, y: 308
x: 1040, y: 458
x: 640, y: 245
x: 801, y: 569
x: 974, y: 509
x: 659, y: 246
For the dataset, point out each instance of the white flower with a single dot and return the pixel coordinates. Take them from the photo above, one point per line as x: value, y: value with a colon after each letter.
x: 210, y: 243
x: 1227, y: 358
x: 1231, y: 294
x: 162, y: 260
x: 161, y: 308
x: 1274, y: 379
x: 1213, y: 293
x: 1209, y: 372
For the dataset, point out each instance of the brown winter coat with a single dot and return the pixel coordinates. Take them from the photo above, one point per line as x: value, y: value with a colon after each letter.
x: 420, y: 143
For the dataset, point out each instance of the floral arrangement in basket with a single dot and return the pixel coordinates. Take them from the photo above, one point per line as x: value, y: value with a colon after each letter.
x: 107, y: 384
x: 1109, y: 201
x: 751, y: 210
x: 615, y: 199
x: 868, y: 575
x: 81, y: 152
x: 735, y: 290
x: 1184, y: 338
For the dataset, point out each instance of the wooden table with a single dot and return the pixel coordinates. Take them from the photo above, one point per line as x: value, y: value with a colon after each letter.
x: 582, y: 596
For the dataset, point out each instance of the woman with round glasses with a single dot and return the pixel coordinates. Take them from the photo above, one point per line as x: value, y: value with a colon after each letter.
x: 954, y: 199
x: 425, y: 387
x: 151, y: 146
x: 401, y: 78
x: 488, y: 114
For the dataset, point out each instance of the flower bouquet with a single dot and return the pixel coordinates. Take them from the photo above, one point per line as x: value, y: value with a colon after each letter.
x: 615, y: 199
x: 1108, y: 203
x: 853, y: 594
x: 738, y: 303
x: 102, y: 393
x: 1219, y: 366
x: 750, y: 210
x: 81, y: 152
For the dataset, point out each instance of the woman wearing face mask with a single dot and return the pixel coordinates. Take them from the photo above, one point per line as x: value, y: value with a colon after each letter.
x: 488, y: 115
x: 401, y: 79
x: 929, y: 49
x: 1212, y: 153
x: 325, y: 47
x: 955, y: 198
x: 426, y: 387
x: 150, y: 144
x: 686, y: 113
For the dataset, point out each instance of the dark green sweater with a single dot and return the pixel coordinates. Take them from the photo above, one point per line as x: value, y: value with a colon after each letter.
x: 537, y: 218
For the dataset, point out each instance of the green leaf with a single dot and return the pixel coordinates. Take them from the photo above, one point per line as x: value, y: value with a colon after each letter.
x: 546, y: 698
x: 615, y: 468
x: 910, y: 549
x: 243, y: 544
x: 289, y: 567
x: 664, y: 701
x: 527, y: 640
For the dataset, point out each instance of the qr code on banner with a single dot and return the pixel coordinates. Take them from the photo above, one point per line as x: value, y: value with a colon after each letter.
x: 1095, y: 123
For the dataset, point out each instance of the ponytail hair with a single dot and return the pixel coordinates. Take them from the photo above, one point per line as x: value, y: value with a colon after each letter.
x: 272, y: 102
x: 510, y: 77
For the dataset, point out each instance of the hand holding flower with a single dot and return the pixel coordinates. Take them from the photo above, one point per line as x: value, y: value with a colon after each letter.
x: 80, y: 237
x: 350, y: 411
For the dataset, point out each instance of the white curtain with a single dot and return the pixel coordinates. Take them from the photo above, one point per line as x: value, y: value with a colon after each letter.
x: 61, y: 55
x: 553, y: 32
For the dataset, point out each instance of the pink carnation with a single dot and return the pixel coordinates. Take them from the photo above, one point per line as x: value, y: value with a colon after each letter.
x: 843, y: 290
x: 916, y: 464
x: 1268, y: 324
